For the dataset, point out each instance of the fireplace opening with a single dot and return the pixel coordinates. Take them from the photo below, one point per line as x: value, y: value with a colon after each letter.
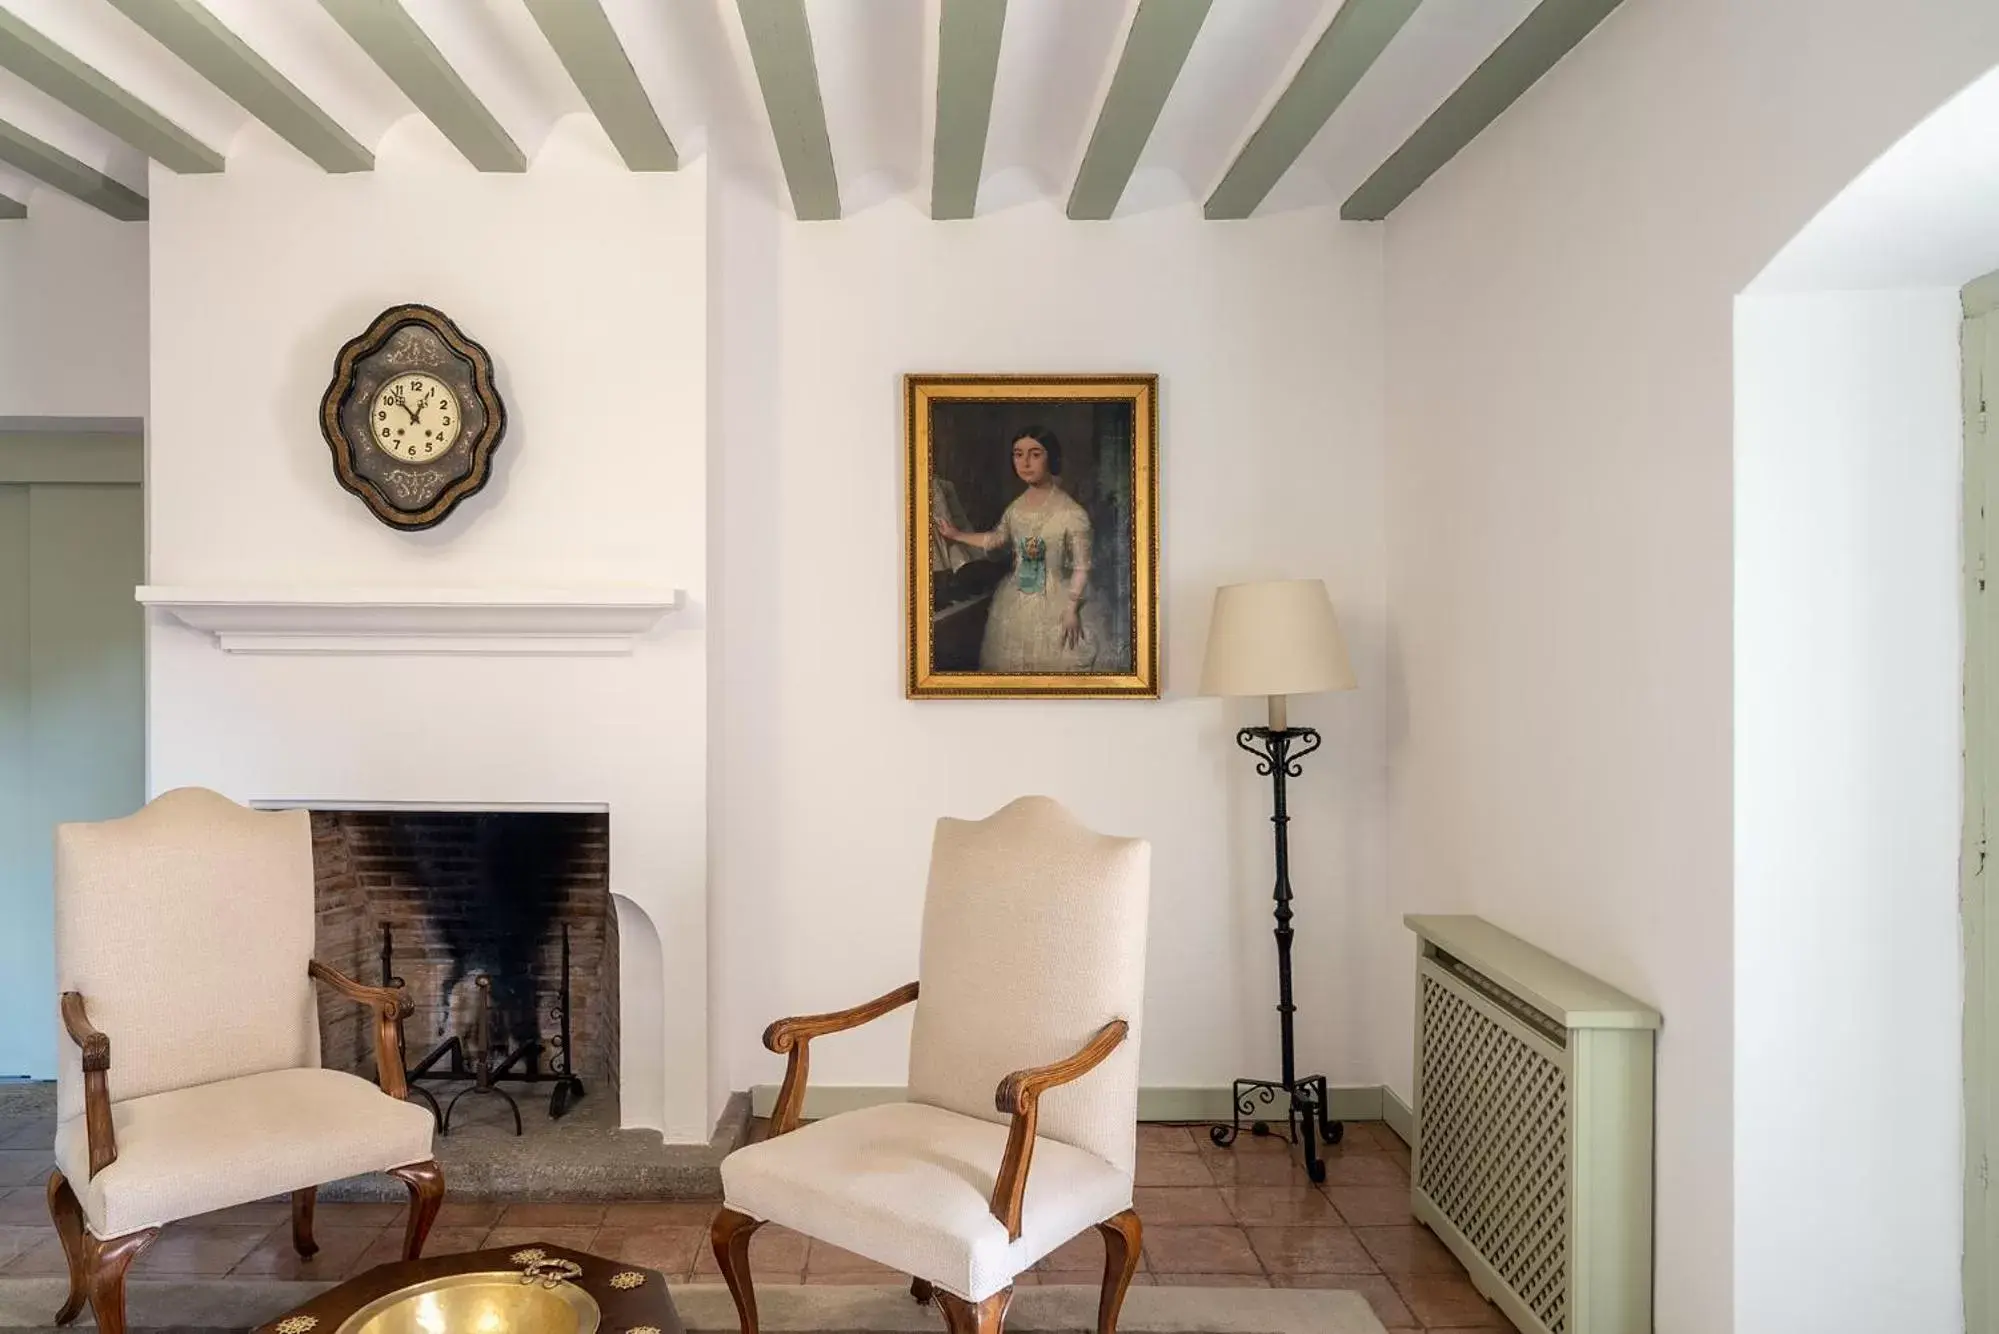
x: 501, y: 927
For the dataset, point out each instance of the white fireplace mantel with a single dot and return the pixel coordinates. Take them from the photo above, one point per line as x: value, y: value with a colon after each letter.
x: 592, y: 622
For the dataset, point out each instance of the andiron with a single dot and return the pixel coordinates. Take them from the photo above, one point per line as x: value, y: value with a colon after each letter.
x: 1307, y: 1119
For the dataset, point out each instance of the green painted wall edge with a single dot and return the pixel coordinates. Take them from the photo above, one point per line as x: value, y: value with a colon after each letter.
x: 12, y: 208
x: 1162, y: 33
x: 587, y: 45
x: 51, y: 166
x: 1359, y: 1102
x: 97, y: 99
x: 1345, y: 51
x: 46, y: 457
x: 1980, y: 354
x: 1981, y: 295
x: 968, y: 47
x: 1550, y: 30
x: 1400, y: 1116
x: 211, y: 50
x: 394, y: 41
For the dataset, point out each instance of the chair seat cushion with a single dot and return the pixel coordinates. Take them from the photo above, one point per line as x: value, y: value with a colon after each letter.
x: 191, y: 1150
x: 910, y: 1186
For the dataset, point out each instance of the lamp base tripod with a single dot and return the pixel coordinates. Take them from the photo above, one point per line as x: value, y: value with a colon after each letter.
x: 1306, y: 1117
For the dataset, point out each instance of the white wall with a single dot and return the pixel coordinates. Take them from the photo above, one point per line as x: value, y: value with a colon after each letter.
x: 1559, y: 506
x: 1266, y: 339
x: 1848, y: 689
x: 587, y: 284
x: 72, y: 312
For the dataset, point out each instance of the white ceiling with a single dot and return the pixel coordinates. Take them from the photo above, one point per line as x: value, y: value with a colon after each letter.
x: 876, y: 61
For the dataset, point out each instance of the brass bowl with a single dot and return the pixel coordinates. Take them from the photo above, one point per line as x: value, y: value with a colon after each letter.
x: 488, y: 1303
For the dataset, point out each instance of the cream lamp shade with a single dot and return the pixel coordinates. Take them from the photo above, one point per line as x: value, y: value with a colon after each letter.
x: 1275, y: 638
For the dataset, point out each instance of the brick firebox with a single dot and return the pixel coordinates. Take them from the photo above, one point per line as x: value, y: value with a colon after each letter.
x: 470, y: 892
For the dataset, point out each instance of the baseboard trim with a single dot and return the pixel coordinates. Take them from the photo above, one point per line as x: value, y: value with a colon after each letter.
x: 1348, y: 1102
x: 1400, y: 1116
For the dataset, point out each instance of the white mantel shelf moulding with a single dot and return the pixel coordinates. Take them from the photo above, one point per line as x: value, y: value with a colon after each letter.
x: 603, y: 621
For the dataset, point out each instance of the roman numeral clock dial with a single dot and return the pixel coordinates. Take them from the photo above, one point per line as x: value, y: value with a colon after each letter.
x: 412, y: 416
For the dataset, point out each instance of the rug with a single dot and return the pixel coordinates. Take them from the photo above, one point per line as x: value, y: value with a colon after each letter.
x: 197, y: 1307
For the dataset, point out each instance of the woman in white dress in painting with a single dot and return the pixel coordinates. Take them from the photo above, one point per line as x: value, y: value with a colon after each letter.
x: 1038, y: 622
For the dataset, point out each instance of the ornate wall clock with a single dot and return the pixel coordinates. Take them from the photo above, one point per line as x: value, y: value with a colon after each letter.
x: 412, y: 416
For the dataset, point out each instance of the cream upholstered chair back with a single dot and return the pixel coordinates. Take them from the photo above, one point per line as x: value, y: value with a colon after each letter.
x: 1033, y: 939
x: 187, y: 927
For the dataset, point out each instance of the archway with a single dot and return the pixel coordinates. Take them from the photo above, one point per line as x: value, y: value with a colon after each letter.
x: 1849, y: 650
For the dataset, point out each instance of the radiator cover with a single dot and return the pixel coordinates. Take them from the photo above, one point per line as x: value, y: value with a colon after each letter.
x: 1533, y: 1156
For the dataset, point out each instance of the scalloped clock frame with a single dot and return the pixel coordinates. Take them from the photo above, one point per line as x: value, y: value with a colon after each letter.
x: 417, y: 344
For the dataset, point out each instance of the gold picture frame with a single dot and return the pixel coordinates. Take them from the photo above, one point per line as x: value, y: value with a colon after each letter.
x: 1050, y: 586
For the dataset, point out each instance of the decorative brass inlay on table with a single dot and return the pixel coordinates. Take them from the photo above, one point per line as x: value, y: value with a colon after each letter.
x: 528, y: 1257
x: 643, y: 1329
x: 630, y: 1278
x: 297, y: 1324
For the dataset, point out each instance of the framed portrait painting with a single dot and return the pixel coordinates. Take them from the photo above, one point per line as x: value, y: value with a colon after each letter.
x: 1032, y: 533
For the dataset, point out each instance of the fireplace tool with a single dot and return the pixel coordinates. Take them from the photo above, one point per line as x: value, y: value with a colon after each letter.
x: 447, y: 1061
x: 483, y: 1073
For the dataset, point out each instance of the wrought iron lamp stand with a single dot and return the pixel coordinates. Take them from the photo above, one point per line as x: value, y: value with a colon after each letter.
x: 1306, y: 1118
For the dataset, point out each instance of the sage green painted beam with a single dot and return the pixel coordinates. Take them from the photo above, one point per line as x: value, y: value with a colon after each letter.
x: 12, y: 208
x: 393, y: 40
x: 186, y: 28
x: 1548, y: 32
x: 588, y: 47
x: 968, y: 47
x: 89, y: 94
x: 780, y: 43
x: 1344, y: 52
x: 1162, y: 33
x: 52, y: 166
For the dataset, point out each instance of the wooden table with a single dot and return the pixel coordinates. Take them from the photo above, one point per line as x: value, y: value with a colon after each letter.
x: 633, y: 1300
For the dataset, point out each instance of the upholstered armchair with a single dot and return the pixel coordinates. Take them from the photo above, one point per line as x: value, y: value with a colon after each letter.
x: 1021, y: 1125
x: 184, y: 941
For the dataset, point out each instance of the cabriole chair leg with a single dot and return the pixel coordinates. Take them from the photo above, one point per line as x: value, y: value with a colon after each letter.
x: 731, y: 1239
x: 426, y: 1183
x: 302, y: 1201
x: 96, y: 1268
x: 1123, y: 1236
x: 986, y: 1317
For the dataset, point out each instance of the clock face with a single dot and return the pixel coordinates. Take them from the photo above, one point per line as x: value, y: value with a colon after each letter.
x: 414, y: 418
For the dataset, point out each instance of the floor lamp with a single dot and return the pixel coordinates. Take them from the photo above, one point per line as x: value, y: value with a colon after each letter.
x: 1278, y: 639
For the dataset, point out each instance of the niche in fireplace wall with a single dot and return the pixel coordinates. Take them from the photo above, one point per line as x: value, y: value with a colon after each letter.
x: 465, y: 893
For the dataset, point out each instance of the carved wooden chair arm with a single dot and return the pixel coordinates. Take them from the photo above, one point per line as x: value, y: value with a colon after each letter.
x: 103, y: 1142
x: 792, y: 1036
x: 1019, y: 1096
x: 391, y: 1005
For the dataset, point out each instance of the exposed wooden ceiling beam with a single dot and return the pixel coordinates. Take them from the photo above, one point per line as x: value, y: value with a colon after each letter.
x: 12, y: 208
x: 393, y: 40
x: 968, y: 47
x: 1344, y: 52
x: 780, y: 42
x: 89, y: 94
x: 52, y: 166
x: 187, y: 29
x: 588, y: 47
x: 1547, y: 34
x: 1162, y: 33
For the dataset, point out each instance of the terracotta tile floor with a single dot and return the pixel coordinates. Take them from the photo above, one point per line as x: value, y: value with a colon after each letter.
x: 1246, y: 1216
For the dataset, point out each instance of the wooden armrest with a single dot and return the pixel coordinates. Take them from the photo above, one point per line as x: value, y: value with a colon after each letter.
x: 390, y: 1005
x: 1019, y: 1095
x: 792, y: 1035
x: 98, y: 1134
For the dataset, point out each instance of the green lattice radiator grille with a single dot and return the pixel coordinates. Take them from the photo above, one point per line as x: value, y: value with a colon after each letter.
x: 1495, y: 1140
